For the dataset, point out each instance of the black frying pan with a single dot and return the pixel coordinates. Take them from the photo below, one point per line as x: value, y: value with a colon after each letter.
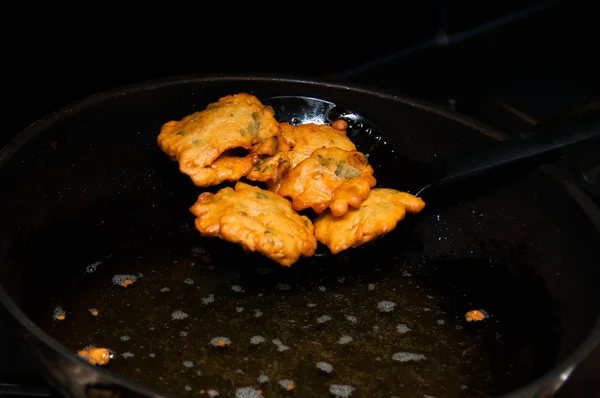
x: 87, y: 195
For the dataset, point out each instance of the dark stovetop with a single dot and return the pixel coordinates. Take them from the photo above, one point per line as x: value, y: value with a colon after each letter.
x: 511, y: 65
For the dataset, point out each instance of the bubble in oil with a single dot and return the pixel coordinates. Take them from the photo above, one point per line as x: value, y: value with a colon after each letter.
x: 178, y: 315
x: 59, y: 313
x: 345, y: 339
x: 386, y: 306
x: 280, y: 346
x: 341, y: 390
x: 124, y: 279
x: 255, y: 340
x: 287, y: 384
x: 323, y: 319
x: 247, y: 392
x: 262, y: 379
x: 403, y: 356
x: 220, y: 341
x: 324, y: 367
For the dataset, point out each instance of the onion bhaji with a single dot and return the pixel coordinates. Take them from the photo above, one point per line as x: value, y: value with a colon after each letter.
x: 331, y: 178
x: 204, y: 143
x: 377, y: 215
x: 258, y: 220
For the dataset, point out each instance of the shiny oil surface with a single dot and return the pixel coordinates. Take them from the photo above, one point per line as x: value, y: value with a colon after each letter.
x: 376, y: 322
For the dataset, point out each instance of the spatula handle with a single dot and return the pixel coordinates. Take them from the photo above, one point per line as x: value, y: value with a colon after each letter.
x: 528, y: 147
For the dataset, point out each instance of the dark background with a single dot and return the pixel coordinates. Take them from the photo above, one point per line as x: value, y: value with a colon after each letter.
x: 512, y: 64
x: 544, y: 52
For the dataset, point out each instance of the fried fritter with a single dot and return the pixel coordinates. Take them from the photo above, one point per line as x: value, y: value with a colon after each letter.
x: 258, y: 220
x: 377, y: 215
x: 331, y: 178
x: 202, y: 142
x: 270, y: 168
x: 296, y: 143
x: 302, y: 140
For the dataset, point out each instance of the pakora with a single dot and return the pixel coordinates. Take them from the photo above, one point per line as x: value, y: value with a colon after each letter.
x: 295, y: 144
x: 270, y: 168
x: 305, y: 166
x: 258, y: 220
x: 377, y: 215
x: 205, y: 143
x: 303, y: 139
x: 476, y: 315
x: 95, y: 355
x: 331, y: 178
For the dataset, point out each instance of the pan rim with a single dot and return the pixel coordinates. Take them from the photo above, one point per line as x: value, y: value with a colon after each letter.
x: 555, y: 377
x: 37, y: 126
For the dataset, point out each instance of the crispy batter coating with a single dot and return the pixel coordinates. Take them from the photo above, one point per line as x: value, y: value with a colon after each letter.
x: 296, y: 143
x: 331, y: 178
x: 340, y: 124
x: 303, y: 139
x: 258, y: 220
x: 201, y: 142
x: 270, y: 168
x: 377, y: 215
x: 95, y: 355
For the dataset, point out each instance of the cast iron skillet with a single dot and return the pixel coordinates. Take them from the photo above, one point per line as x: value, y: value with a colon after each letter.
x: 87, y: 195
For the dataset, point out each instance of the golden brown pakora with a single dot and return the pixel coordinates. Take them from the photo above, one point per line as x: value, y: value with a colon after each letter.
x: 296, y: 143
x: 270, y: 169
x: 331, y: 178
x: 258, y: 220
x: 204, y: 143
x: 302, y: 140
x: 377, y: 215
x: 95, y: 355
